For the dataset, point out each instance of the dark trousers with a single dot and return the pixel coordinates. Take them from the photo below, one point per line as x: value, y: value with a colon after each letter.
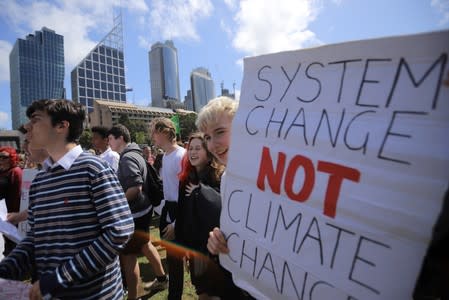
x: 174, y: 254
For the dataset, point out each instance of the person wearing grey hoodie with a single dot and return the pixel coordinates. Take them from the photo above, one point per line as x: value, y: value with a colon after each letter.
x: 131, y: 174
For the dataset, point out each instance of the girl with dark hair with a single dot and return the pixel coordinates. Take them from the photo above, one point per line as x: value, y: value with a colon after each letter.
x: 199, y: 207
x: 10, y: 185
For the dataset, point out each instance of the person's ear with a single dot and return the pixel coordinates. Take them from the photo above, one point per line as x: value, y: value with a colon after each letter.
x: 63, y: 125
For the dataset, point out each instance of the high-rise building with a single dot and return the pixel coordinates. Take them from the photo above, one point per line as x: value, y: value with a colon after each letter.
x: 188, y: 101
x: 36, y: 66
x: 202, y: 87
x: 164, y: 73
x: 225, y: 92
x: 101, y: 74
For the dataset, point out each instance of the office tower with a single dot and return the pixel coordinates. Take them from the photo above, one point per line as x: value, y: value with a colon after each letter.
x: 36, y: 66
x: 202, y: 87
x: 164, y: 73
x: 188, y: 101
x: 101, y: 74
x: 225, y: 92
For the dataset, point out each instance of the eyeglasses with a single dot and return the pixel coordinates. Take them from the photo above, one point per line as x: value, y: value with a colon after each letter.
x: 4, y: 157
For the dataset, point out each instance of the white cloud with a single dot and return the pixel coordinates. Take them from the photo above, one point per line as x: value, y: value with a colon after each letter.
x: 442, y: 6
x: 230, y: 4
x: 144, y: 42
x: 76, y: 20
x: 272, y: 26
x: 239, y: 63
x: 171, y: 19
x: 5, y: 49
x: 225, y: 27
x: 5, y: 120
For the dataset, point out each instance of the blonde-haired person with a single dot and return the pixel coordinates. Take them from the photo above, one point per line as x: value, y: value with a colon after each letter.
x: 163, y: 134
x: 215, y: 121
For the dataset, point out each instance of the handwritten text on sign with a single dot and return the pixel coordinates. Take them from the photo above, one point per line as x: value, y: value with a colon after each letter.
x: 338, y: 167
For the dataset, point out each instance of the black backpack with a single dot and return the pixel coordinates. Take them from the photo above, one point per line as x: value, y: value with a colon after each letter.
x: 153, y: 186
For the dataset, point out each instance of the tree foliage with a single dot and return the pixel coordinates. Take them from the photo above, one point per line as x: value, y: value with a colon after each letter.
x: 137, y: 129
x: 85, y: 139
x: 187, y: 124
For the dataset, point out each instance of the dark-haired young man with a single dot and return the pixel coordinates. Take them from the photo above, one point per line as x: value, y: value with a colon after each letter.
x: 78, y: 214
x: 132, y: 173
x: 100, y: 143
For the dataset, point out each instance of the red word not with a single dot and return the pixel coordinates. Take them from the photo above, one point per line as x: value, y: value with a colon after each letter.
x: 337, y: 173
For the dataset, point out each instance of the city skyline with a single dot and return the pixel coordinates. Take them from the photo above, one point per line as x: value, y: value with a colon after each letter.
x: 215, y: 35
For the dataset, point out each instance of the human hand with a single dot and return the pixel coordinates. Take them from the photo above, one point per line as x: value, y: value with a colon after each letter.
x: 35, y: 291
x: 16, y: 217
x: 169, y: 232
x: 217, y: 243
x: 190, y: 188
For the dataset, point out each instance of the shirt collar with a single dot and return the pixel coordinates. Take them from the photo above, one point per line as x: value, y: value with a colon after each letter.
x: 66, y: 161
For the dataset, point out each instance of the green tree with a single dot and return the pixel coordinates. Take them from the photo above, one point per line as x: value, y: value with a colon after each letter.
x: 140, y: 137
x: 137, y: 129
x: 187, y: 125
x: 85, y: 139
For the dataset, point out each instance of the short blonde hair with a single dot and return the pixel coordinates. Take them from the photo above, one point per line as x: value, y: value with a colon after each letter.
x: 214, y: 109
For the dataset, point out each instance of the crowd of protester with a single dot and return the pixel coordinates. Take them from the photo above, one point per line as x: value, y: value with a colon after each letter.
x: 87, y: 214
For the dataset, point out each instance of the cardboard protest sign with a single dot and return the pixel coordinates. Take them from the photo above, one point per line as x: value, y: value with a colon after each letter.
x: 338, y: 167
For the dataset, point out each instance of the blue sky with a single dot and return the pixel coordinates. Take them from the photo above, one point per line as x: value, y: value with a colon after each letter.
x: 212, y: 34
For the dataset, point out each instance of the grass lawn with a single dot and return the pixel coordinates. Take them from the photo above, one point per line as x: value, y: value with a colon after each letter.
x: 146, y: 272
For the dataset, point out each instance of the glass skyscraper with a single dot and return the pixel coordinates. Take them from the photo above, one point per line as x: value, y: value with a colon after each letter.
x: 101, y: 74
x: 202, y: 87
x: 164, y: 73
x: 36, y: 66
